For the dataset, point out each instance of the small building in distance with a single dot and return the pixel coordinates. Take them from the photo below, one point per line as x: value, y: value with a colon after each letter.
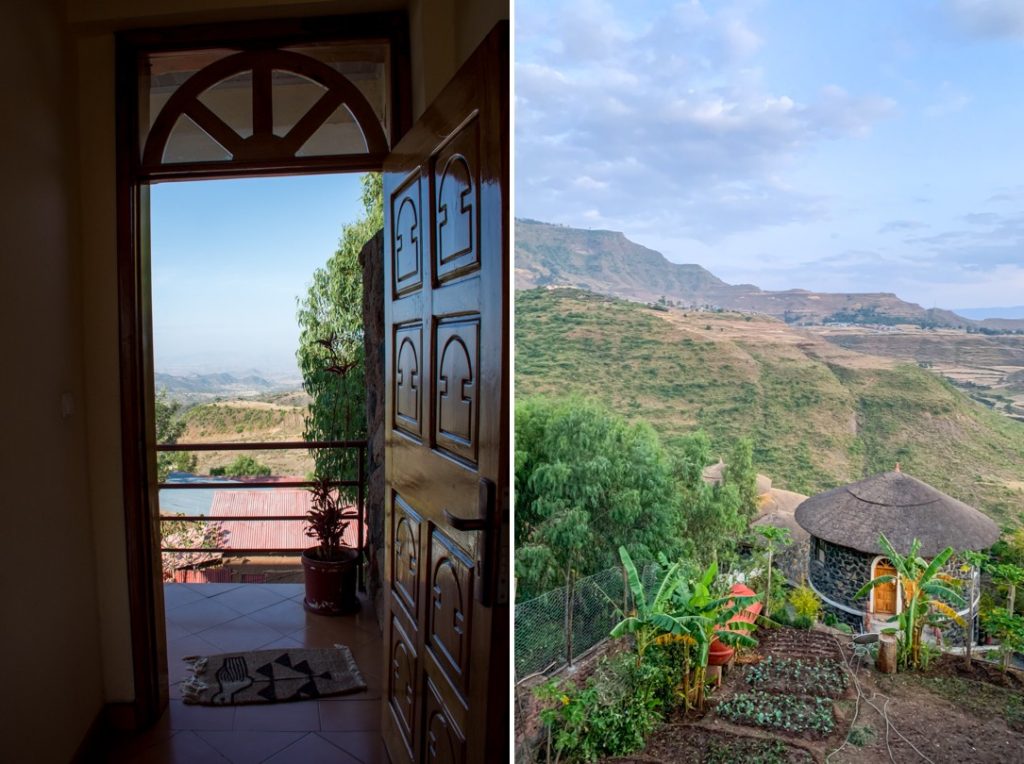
x: 844, y: 526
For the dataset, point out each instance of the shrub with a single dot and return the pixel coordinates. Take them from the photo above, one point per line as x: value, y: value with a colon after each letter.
x: 861, y: 736
x: 616, y: 710
x: 803, y: 622
x: 246, y: 466
x: 806, y: 604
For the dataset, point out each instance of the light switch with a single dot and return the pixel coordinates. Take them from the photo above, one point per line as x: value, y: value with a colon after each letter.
x: 67, y: 405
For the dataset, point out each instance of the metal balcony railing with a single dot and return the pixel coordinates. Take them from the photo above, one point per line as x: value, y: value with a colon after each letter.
x: 356, y: 513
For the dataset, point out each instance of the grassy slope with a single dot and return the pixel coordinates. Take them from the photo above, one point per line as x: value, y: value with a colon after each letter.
x: 819, y: 416
x: 248, y: 421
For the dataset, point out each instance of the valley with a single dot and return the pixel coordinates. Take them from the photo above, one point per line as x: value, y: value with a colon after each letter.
x: 824, y: 406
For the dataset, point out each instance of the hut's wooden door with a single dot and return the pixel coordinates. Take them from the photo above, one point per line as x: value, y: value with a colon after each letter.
x: 446, y: 444
x: 885, y: 595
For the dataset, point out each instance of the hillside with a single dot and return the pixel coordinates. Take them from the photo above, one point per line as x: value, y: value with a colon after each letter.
x: 274, y: 418
x: 198, y: 388
x: 820, y: 415
x: 606, y: 262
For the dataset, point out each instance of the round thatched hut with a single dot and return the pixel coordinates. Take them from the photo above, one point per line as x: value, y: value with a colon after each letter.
x: 844, y: 526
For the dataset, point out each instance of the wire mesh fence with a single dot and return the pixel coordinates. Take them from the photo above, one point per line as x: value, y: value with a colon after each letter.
x: 560, y: 625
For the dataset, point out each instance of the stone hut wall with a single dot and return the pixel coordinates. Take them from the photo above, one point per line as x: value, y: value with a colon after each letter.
x: 844, y: 571
x: 792, y: 561
x: 841, y: 573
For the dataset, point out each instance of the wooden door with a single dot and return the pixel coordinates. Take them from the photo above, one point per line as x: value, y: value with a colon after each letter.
x: 885, y: 595
x: 446, y: 422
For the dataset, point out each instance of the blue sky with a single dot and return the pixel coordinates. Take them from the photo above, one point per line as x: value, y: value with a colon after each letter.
x: 229, y: 258
x: 864, y: 145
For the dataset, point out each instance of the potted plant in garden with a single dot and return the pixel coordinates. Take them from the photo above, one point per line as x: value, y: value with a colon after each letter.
x: 330, y: 568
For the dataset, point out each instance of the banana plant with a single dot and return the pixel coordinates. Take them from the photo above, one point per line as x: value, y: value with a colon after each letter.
x: 710, y: 617
x: 654, y: 619
x: 684, y: 612
x: 925, y: 587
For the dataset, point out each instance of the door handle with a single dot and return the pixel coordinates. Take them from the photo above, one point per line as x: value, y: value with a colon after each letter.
x: 489, y: 523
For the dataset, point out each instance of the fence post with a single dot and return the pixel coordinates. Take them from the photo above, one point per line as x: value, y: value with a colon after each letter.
x: 569, y: 601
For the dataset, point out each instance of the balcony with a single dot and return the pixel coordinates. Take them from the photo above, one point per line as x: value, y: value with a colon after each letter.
x: 203, y: 619
x: 209, y: 618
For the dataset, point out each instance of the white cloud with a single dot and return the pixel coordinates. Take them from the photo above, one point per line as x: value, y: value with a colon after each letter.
x: 670, y: 119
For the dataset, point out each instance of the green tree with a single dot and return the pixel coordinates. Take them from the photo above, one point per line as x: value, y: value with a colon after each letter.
x: 739, y: 471
x: 169, y: 427
x: 587, y: 483
x: 711, y: 516
x: 773, y: 539
x: 1008, y: 628
x: 247, y: 466
x: 1011, y: 576
x: 331, y: 352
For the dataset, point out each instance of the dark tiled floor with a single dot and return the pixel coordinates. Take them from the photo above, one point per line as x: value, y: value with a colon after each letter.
x: 203, y: 619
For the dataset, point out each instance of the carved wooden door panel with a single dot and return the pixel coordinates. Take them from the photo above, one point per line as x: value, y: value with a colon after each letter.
x: 446, y: 422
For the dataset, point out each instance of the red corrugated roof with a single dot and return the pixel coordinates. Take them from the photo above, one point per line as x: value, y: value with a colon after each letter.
x: 269, y: 534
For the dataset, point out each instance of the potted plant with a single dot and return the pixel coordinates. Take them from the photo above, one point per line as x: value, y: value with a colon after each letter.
x: 330, y: 568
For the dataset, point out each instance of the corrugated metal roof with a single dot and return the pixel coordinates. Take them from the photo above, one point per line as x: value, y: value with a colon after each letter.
x: 270, y: 534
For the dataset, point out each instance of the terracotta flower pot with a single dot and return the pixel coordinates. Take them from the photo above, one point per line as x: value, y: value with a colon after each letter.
x: 330, y: 584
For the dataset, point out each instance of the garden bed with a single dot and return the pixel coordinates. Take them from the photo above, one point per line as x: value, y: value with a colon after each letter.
x: 801, y: 676
x: 694, y: 745
x: 798, y: 643
x: 800, y: 715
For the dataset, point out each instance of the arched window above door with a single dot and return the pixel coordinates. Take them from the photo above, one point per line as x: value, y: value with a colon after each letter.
x: 241, y: 108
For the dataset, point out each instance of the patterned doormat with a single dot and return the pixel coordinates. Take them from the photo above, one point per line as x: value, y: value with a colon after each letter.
x: 271, y: 676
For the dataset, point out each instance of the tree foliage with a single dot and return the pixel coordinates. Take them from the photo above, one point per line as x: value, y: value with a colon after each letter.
x: 739, y: 471
x: 711, y: 517
x: 170, y: 426
x: 243, y: 466
x: 587, y: 483
x: 331, y: 352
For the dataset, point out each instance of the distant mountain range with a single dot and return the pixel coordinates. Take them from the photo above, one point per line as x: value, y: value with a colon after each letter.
x: 606, y: 262
x: 197, y: 387
x: 1015, y: 312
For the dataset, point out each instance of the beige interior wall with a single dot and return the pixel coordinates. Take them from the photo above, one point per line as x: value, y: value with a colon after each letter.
x: 443, y: 33
x: 49, y: 633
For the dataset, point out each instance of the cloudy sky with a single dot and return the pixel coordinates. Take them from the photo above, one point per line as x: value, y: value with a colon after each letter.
x: 855, y: 145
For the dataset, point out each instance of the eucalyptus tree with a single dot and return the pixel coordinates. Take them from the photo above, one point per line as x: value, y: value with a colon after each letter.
x: 331, y: 354
x: 587, y: 483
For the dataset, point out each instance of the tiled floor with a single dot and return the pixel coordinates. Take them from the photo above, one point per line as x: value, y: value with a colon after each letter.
x: 203, y: 619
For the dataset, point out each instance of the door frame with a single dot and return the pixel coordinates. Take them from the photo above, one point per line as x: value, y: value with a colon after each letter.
x: 874, y: 574
x: 138, y: 454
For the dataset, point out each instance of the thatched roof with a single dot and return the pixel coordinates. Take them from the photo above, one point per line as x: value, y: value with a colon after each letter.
x: 901, y: 507
x: 777, y: 510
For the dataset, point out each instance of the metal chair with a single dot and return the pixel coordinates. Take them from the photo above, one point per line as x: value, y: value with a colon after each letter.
x: 862, y: 645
